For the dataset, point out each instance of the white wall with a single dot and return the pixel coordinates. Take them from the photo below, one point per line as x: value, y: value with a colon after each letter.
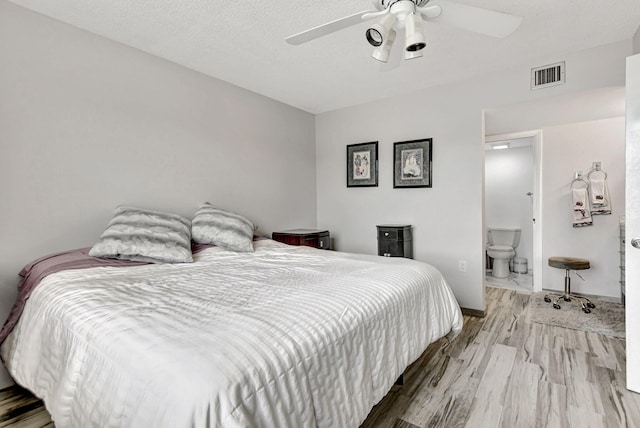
x: 87, y: 124
x: 574, y: 147
x: 599, y: 103
x: 509, y: 175
x: 447, y: 218
x: 561, y: 157
x: 636, y: 41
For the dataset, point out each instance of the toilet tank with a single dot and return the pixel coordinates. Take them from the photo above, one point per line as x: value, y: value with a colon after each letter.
x: 504, y: 236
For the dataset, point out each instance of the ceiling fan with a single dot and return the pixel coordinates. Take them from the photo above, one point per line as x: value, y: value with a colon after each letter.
x: 408, y: 15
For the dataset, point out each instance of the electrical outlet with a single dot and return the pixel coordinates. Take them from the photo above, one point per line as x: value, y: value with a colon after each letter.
x: 462, y: 265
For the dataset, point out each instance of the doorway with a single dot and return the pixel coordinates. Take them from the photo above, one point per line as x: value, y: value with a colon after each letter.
x: 511, y: 202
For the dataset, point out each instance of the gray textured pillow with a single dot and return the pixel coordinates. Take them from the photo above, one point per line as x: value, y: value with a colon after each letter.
x: 145, y: 236
x: 222, y: 228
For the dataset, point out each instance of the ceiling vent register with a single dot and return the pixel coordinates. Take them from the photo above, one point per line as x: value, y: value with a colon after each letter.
x: 548, y: 75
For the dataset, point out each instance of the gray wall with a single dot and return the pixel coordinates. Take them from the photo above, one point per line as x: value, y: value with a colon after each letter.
x: 574, y: 147
x: 576, y: 131
x: 636, y: 41
x: 448, y: 218
x: 87, y: 124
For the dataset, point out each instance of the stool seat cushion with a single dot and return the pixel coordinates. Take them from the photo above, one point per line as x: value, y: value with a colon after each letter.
x: 570, y: 263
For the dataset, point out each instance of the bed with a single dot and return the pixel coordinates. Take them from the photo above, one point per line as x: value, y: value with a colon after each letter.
x: 282, y: 336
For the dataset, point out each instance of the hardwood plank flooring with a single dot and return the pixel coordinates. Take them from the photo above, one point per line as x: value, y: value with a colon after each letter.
x: 499, y: 372
x: 20, y: 409
x: 502, y: 371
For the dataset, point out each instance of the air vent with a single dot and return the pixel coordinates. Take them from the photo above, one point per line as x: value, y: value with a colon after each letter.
x: 547, y: 75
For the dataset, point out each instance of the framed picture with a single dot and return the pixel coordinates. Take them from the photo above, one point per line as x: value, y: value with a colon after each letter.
x: 412, y: 163
x: 362, y: 165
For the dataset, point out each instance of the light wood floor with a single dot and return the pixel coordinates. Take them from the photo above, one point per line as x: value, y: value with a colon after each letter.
x: 499, y: 372
x: 18, y: 408
x: 504, y: 372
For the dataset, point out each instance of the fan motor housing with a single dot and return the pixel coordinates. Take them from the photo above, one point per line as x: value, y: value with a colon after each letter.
x: 384, y: 4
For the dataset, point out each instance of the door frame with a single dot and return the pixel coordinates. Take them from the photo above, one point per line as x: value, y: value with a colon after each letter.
x: 536, y: 135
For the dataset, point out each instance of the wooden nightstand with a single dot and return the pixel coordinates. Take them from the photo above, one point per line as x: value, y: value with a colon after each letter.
x: 309, y: 237
x: 394, y: 240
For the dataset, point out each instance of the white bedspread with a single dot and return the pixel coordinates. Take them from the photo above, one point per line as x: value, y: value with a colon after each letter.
x: 283, y: 337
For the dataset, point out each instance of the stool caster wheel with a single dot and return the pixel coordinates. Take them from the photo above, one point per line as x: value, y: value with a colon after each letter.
x: 556, y: 306
x: 546, y: 299
x: 586, y: 310
x: 591, y: 305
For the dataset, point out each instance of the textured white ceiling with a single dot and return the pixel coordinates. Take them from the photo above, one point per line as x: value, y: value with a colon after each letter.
x: 242, y: 42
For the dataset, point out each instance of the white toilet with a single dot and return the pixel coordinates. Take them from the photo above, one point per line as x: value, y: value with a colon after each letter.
x: 502, y: 248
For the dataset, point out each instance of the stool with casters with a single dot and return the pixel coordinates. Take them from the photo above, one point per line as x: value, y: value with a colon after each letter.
x: 569, y: 264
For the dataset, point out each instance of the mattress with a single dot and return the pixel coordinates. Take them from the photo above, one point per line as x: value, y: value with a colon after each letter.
x: 281, y: 337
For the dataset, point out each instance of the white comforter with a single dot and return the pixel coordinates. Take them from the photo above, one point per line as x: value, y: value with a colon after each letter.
x: 283, y: 337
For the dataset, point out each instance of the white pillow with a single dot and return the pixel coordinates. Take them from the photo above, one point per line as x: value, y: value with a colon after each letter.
x: 222, y: 228
x: 145, y: 236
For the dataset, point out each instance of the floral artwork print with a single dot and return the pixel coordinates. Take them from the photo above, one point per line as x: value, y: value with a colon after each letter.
x: 361, y: 165
x: 411, y: 164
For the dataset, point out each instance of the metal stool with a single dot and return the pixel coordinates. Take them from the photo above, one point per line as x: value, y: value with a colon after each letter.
x: 569, y: 264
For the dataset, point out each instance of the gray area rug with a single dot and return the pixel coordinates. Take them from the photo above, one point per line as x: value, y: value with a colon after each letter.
x: 606, y: 318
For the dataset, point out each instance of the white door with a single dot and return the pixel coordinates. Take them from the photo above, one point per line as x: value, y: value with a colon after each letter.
x: 632, y: 223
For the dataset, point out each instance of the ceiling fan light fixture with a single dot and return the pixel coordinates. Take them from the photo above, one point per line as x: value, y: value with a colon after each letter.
x: 378, y: 32
x: 415, y: 39
x: 412, y: 54
x: 374, y: 37
x: 382, y: 52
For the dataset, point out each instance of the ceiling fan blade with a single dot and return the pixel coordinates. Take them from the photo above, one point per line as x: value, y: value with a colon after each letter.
x: 330, y: 27
x: 471, y: 18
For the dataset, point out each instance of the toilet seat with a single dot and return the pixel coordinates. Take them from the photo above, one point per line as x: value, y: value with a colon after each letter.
x: 501, y: 254
x: 500, y: 248
x: 501, y: 251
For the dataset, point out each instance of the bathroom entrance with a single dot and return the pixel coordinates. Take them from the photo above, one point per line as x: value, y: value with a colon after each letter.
x: 509, y: 208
